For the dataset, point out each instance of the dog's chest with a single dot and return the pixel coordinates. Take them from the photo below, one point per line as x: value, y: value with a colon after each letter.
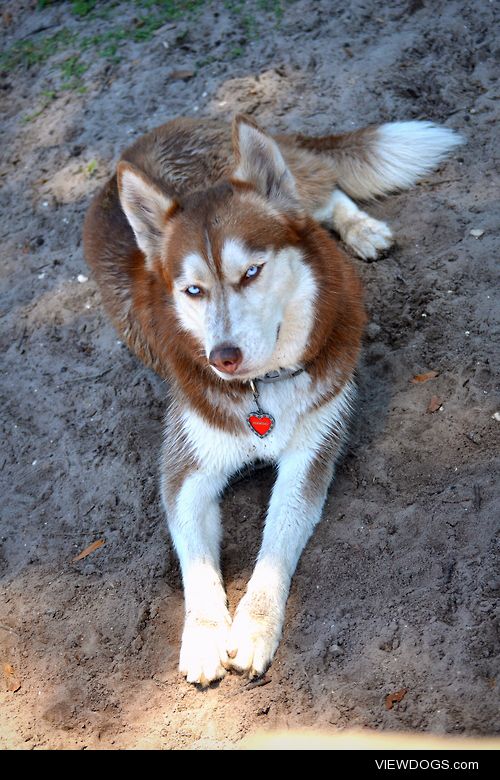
x: 286, y: 401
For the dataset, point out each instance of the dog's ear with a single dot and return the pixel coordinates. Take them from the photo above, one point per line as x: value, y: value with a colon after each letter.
x: 146, y: 207
x: 260, y: 163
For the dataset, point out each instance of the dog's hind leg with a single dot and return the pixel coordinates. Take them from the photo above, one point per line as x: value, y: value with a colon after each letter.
x: 365, y: 235
x: 366, y: 164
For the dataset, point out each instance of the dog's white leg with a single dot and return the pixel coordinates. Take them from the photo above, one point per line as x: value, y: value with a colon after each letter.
x: 295, y: 508
x: 194, y: 522
x: 363, y: 234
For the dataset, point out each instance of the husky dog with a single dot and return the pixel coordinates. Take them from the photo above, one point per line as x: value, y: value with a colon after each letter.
x: 214, y: 267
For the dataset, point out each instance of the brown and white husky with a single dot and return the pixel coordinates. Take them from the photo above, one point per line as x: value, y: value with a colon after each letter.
x: 215, y: 269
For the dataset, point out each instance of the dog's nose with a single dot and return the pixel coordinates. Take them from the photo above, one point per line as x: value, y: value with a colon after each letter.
x: 226, y: 358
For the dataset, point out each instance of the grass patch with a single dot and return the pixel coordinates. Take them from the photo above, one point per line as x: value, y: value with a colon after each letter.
x: 82, y: 7
x: 251, y: 23
x: 48, y: 96
x: 72, y: 70
x: 91, y: 168
x: 37, y: 50
x: 78, y: 7
x: 277, y: 7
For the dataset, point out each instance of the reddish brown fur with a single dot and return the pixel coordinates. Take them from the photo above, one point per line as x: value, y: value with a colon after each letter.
x: 340, y: 316
x: 358, y: 140
x: 182, y: 465
x: 139, y: 300
x: 320, y: 472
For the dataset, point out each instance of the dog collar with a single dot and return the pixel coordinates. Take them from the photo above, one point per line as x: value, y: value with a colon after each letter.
x: 261, y: 422
x: 276, y: 376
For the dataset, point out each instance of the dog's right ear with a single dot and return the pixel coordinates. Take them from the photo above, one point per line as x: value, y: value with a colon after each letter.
x: 146, y: 207
x: 261, y: 164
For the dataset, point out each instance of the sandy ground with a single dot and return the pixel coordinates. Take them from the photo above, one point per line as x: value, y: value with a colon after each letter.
x: 397, y: 587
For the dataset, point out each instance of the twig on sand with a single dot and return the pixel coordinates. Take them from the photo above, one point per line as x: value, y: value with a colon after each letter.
x: 87, y: 376
x: 477, y: 498
x: 22, y: 338
x: 431, y: 185
x: 38, y: 30
x: 257, y: 683
x: 3, y: 627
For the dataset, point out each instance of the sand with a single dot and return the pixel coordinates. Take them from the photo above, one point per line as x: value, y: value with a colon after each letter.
x: 397, y: 587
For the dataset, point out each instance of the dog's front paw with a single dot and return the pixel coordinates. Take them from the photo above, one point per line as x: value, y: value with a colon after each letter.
x: 203, y: 656
x: 367, y: 236
x: 255, y: 634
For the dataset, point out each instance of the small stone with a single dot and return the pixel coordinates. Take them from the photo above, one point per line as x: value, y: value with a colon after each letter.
x: 82, y: 279
x: 137, y: 644
x: 182, y: 75
x: 477, y: 233
x: 373, y: 330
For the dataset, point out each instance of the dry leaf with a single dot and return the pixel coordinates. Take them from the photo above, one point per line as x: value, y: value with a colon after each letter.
x: 393, y: 698
x: 420, y: 378
x: 90, y: 549
x: 11, y: 682
x: 434, y: 404
x: 13, y: 685
x: 183, y: 75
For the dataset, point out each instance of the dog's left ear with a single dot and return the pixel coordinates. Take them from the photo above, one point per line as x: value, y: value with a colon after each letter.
x: 260, y: 163
x: 147, y: 208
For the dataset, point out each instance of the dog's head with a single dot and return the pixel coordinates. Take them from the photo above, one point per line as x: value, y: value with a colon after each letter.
x: 232, y: 258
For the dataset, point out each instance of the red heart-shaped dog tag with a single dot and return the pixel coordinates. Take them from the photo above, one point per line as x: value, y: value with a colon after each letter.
x: 260, y: 424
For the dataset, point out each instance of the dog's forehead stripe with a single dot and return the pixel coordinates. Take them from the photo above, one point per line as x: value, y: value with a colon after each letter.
x: 236, y: 258
x: 194, y: 268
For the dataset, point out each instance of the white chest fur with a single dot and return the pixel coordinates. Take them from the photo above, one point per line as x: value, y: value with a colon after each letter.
x: 297, y: 425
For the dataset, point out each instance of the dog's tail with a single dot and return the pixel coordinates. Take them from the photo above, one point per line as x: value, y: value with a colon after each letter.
x: 378, y: 160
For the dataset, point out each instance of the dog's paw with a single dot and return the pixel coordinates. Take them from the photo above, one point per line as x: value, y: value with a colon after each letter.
x: 203, y: 657
x: 367, y: 237
x: 255, y: 634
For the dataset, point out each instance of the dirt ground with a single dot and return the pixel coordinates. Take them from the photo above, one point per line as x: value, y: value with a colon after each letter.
x: 397, y: 587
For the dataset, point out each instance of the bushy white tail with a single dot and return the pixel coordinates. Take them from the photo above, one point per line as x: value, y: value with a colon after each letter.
x: 398, y: 155
x: 378, y: 160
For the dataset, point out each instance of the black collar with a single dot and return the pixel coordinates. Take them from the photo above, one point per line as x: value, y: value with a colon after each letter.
x: 278, y: 375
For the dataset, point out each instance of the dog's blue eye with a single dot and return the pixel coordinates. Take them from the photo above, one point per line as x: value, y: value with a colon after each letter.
x: 252, y: 271
x: 193, y: 290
